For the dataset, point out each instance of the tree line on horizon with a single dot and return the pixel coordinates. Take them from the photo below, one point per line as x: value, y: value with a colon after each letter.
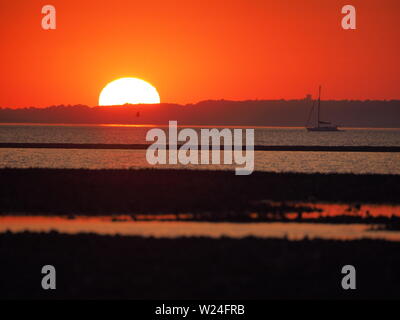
x: 345, y: 113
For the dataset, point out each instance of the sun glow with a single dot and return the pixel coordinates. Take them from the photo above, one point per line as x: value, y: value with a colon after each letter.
x: 128, y: 90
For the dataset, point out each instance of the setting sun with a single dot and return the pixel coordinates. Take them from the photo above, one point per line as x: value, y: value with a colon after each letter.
x: 128, y: 90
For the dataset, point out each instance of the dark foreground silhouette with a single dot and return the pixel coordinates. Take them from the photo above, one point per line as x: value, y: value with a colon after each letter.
x: 81, y: 191
x: 91, y: 266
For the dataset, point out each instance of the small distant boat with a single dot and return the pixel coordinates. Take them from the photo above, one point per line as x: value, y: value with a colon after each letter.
x: 322, y: 126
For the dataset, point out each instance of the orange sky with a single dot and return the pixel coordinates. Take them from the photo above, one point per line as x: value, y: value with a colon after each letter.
x: 196, y: 50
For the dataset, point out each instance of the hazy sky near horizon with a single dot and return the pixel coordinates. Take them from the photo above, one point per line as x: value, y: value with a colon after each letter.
x: 196, y: 50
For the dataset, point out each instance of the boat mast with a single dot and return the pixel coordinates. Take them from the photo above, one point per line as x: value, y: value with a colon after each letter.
x: 319, y: 104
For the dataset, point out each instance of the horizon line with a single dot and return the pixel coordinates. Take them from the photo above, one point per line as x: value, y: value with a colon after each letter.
x: 155, y: 125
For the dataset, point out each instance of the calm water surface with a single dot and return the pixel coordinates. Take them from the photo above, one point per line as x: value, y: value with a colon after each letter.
x: 171, y: 229
x: 130, y: 134
x: 282, y: 161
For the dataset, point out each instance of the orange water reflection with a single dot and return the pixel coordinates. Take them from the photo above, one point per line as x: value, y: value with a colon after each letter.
x: 124, y: 226
x: 182, y: 225
x: 324, y: 210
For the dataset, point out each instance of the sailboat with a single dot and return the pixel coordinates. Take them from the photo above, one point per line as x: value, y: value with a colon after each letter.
x: 322, y: 126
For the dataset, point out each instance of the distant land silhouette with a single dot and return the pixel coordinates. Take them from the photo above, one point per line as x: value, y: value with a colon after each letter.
x: 345, y: 113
